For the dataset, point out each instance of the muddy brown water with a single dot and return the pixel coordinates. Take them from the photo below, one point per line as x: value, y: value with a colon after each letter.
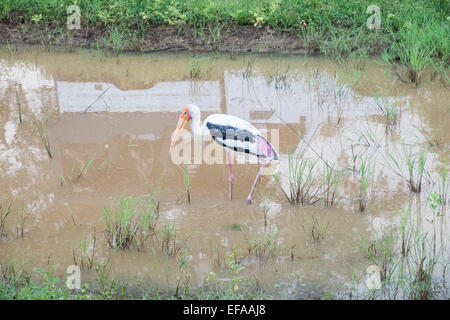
x: 128, y: 130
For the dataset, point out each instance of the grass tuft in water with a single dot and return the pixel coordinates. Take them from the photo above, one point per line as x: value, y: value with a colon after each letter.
x: 86, y: 259
x: 366, y: 177
x: 381, y: 252
x: 195, y: 68
x: 388, y: 109
x: 169, y: 243
x: 415, y: 163
x: 333, y: 179
x: 316, y: 229
x: 19, y: 109
x: 187, y: 183
x: 302, y: 188
x: 43, y: 135
x: 264, y: 245
x: 87, y: 164
x: 4, y: 213
x: 130, y: 221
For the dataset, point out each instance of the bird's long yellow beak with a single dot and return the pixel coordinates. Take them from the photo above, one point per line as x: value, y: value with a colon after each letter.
x: 180, y: 126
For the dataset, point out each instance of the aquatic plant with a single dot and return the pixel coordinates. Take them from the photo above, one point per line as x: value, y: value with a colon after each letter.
x: 415, y: 164
x: 130, y: 221
x: 380, y: 251
x: 4, y: 213
x: 18, y: 106
x: 86, y: 165
x: 169, y: 243
x: 316, y: 229
x: 44, y: 136
x: 264, y: 245
x: 85, y: 260
x: 366, y: 179
x: 195, y: 67
x: 388, y: 109
x: 187, y: 183
x: 302, y: 186
x: 332, y: 181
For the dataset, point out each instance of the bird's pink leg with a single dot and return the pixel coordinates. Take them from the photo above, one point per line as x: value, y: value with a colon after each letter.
x: 249, y: 198
x: 230, y: 176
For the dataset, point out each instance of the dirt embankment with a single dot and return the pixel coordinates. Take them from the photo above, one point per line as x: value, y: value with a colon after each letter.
x: 168, y: 38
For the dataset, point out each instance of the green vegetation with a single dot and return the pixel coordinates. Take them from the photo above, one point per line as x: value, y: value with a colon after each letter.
x: 333, y: 179
x: 41, y: 127
x: 317, y: 229
x: 187, y: 184
x: 302, y: 187
x: 415, y: 163
x: 18, y: 106
x: 407, y: 260
x: 264, y: 245
x: 367, y: 173
x: 169, y: 243
x: 130, y: 221
x: 4, y: 213
x: 413, y: 34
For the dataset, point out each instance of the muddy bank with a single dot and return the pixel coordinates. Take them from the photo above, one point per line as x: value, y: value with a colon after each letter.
x: 158, y: 38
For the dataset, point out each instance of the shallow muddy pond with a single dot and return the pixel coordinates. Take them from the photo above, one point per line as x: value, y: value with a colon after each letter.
x: 114, y: 117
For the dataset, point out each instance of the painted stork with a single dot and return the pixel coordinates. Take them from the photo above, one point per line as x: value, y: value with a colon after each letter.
x: 232, y: 133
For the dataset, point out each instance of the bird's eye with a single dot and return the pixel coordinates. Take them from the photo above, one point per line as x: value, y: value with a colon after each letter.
x: 185, y: 113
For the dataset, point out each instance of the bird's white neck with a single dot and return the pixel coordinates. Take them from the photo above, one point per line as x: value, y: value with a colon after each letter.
x: 196, y: 127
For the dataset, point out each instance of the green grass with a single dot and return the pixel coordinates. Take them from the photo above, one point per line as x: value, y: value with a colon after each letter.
x: 187, y: 183
x: 169, y: 244
x: 40, y: 125
x: 19, y: 109
x: 413, y: 34
x: 316, y: 229
x: 366, y: 179
x: 415, y: 164
x: 130, y: 221
x: 388, y: 110
x: 333, y: 179
x: 302, y: 186
x: 264, y: 245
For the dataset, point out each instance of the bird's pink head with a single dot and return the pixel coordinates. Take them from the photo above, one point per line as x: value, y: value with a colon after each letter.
x: 182, y: 122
